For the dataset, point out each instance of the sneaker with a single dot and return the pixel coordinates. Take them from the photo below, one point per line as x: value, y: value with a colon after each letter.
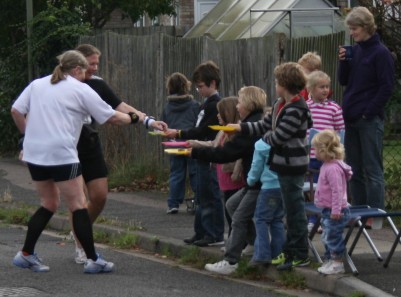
x: 172, y: 210
x: 247, y: 251
x: 289, y: 264
x: 192, y: 239
x: 332, y: 267
x: 98, y: 266
x: 208, y: 241
x: 222, y: 267
x: 301, y: 262
x: 32, y: 262
x: 280, y: 259
x: 80, y: 256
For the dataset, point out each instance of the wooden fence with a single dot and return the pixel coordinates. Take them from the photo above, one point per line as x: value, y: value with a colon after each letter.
x: 136, y: 67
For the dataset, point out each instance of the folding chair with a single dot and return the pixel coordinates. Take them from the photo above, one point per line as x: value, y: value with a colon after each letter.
x: 359, y: 217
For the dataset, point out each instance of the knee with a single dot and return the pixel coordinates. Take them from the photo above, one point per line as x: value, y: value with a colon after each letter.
x: 51, y: 205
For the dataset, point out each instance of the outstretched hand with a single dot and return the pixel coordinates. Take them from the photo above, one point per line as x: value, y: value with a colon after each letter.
x: 171, y: 133
x: 159, y: 125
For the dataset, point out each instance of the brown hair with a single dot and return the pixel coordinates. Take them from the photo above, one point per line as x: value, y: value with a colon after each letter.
x: 227, y: 108
x: 328, y: 144
x: 177, y: 83
x: 206, y: 73
x: 67, y: 62
x: 88, y: 50
x: 253, y: 98
x: 291, y: 77
x: 361, y: 17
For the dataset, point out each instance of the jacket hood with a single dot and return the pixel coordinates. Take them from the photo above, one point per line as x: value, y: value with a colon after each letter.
x: 345, y: 167
x: 179, y: 103
x: 179, y: 97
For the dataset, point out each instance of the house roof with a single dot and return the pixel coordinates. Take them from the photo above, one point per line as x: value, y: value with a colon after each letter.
x: 236, y: 19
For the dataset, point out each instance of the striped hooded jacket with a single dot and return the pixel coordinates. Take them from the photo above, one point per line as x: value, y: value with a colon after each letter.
x: 285, y: 130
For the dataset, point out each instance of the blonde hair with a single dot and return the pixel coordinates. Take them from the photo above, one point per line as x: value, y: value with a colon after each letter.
x: 227, y: 108
x: 177, y: 83
x: 290, y: 76
x: 361, y: 17
x: 311, y: 61
x: 67, y: 62
x: 327, y: 143
x: 315, y: 77
x: 253, y: 98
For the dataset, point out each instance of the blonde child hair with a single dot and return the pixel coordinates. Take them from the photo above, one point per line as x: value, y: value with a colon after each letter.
x: 310, y: 61
x: 253, y: 98
x: 327, y: 143
x: 314, y: 78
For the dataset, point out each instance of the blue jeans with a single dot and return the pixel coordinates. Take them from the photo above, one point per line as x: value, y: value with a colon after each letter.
x: 364, y: 153
x: 332, y: 236
x: 241, y: 207
x: 179, y: 166
x: 209, y: 215
x: 270, y: 232
x: 296, y: 244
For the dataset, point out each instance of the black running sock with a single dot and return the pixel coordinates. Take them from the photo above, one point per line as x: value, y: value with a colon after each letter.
x: 83, y: 231
x: 36, y: 225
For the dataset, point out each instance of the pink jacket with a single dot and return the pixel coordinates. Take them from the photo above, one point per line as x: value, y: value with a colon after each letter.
x: 331, y: 191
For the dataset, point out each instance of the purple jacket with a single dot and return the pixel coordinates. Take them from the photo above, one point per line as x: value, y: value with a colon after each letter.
x: 369, y: 79
x: 331, y: 191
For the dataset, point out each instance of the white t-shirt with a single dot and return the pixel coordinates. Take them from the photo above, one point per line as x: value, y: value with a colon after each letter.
x: 56, y: 115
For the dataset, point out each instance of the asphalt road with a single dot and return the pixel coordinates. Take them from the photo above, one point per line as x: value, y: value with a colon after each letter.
x: 136, y: 274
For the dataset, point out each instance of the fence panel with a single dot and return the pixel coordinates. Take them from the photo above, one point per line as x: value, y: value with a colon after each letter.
x: 136, y: 67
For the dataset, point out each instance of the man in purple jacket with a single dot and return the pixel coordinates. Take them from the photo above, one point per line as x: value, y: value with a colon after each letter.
x: 369, y: 79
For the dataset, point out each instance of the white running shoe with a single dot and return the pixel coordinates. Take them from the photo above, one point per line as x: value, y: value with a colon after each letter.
x: 98, y: 266
x: 80, y: 256
x: 32, y: 262
x: 222, y: 267
x: 332, y: 267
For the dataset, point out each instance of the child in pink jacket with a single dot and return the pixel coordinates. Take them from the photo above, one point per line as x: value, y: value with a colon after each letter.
x: 331, y: 197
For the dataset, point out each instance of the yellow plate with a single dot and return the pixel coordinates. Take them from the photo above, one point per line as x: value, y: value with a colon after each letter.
x: 177, y: 151
x: 157, y: 133
x: 223, y: 128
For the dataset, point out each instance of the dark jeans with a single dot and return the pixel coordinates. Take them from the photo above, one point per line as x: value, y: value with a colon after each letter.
x: 296, y: 244
x: 179, y: 166
x: 364, y: 153
x: 209, y: 215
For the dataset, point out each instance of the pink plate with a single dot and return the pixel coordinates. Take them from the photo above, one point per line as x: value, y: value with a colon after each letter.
x: 175, y: 143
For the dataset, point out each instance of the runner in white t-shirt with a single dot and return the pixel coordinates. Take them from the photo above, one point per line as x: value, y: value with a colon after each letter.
x: 57, y: 107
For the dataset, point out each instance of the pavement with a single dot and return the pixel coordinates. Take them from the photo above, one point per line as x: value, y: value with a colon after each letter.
x: 145, y: 214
